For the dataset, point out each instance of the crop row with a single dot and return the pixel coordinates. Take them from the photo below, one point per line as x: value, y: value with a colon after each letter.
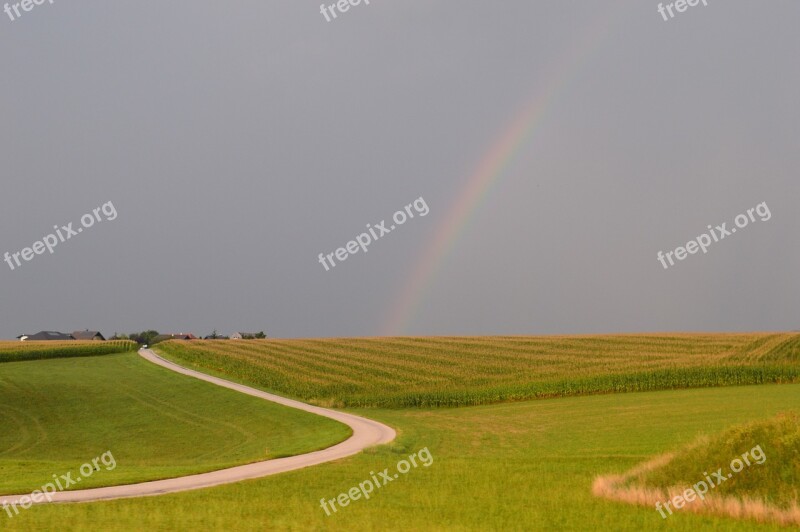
x: 399, y: 372
x: 19, y: 351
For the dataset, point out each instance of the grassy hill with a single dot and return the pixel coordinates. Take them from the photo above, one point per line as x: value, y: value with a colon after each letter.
x: 422, y: 372
x: 57, y: 414
x: 751, y: 470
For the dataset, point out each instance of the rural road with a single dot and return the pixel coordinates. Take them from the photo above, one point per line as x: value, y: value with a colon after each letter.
x: 366, y: 433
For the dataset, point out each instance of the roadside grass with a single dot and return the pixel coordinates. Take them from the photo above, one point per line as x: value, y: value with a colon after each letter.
x: 58, y: 414
x: 19, y: 351
x: 514, y: 466
x: 463, y: 371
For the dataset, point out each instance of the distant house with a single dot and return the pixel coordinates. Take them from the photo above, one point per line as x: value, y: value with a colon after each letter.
x: 246, y: 336
x: 88, y: 335
x: 182, y: 336
x: 173, y: 336
x: 46, y: 335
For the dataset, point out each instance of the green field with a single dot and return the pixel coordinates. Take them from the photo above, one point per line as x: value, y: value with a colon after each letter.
x: 422, y: 372
x: 18, y: 351
x: 513, y: 465
x: 58, y: 414
x: 517, y: 466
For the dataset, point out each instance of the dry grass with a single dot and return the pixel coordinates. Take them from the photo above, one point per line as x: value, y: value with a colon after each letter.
x: 614, y: 488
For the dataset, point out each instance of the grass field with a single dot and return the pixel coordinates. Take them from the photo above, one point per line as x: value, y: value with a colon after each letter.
x: 421, y: 372
x: 514, y: 465
x: 517, y: 466
x: 18, y: 351
x: 58, y: 414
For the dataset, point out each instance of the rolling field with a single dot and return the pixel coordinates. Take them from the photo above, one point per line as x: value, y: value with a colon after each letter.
x: 18, y: 351
x: 421, y: 372
x: 516, y: 466
x: 58, y: 414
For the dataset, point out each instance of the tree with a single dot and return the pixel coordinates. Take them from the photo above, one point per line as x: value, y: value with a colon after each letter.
x: 144, y: 337
x: 260, y: 335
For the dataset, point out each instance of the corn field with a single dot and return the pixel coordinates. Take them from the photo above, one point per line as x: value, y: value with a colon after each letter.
x: 18, y: 351
x: 456, y: 371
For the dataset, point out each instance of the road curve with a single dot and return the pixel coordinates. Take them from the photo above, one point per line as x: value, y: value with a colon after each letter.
x: 366, y: 433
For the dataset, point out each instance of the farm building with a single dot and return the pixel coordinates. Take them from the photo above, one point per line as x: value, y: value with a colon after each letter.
x: 46, y: 335
x: 173, y: 336
x: 88, y: 335
x: 246, y: 335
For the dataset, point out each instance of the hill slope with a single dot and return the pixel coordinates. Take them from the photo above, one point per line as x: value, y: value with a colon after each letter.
x: 59, y: 414
x: 749, y: 471
x: 419, y: 372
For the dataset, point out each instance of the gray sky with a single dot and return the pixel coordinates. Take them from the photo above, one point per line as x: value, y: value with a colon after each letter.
x: 239, y: 140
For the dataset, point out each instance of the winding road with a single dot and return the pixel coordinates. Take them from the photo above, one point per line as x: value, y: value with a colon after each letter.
x: 366, y: 433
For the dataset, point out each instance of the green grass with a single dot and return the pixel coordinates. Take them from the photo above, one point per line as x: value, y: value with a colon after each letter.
x: 516, y: 466
x: 58, y: 414
x: 425, y: 372
x: 776, y: 480
x: 19, y: 351
x: 524, y: 465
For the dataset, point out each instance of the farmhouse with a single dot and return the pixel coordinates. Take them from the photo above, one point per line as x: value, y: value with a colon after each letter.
x: 174, y: 336
x: 88, y: 335
x: 46, y: 335
x: 247, y: 335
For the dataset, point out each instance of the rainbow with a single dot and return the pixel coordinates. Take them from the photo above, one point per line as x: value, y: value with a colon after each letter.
x: 488, y: 174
